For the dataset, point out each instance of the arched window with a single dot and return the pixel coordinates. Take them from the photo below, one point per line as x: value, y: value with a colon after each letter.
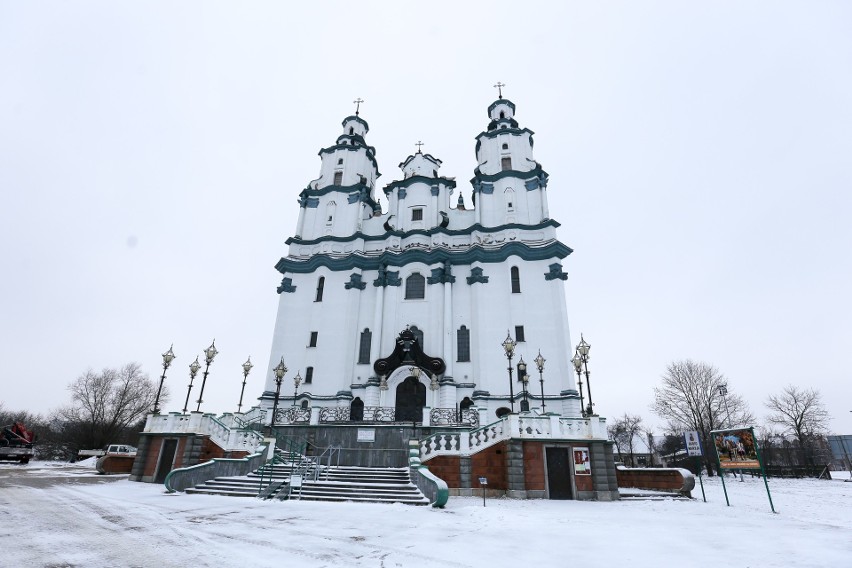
x: 329, y: 212
x: 506, y: 163
x: 415, y: 287
x: 418, y: 335
x: 304, y: 404
x: 505, y: 146
x: 502, y: 114
x: 338, y: 178
x: 516, y: 280
x: 351, y: 130
x: 510, y: 199
x: 320, y: 286
x: 340, y: 161
x: 465, y: 403
x: 364, y: 347
x: 463, y: 344
x: 502, y: 411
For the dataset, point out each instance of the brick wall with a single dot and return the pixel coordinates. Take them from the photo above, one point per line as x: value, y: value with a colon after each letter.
x: 534, y: 466
x: 490, y: 463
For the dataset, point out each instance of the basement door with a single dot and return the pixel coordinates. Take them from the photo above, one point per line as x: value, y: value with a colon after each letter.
x: 167, y: 458
x: 558, y: 472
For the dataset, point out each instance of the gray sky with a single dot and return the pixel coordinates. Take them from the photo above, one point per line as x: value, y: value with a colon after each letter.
x: 151, y: 155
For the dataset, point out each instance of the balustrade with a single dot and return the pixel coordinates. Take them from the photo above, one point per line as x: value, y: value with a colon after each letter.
x: 334, y: 414
x: 452, y: 417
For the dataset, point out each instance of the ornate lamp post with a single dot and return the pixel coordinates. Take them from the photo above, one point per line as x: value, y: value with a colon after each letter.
x: 209, y: 354
x: 509, y: 348
x: 193, y: 370
x: 168, y: 357
x: 246, y: 368
x: 539, y: 363
x: 583, y: 352
x: 578, y: 367
x: 297, y: 380
x: 522, y: 374
x: 279, y: 371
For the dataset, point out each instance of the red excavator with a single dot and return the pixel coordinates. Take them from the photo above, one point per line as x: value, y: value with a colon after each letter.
x: 16, y: 443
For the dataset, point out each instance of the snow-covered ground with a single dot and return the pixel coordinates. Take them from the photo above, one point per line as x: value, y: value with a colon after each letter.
x: 60, y: 515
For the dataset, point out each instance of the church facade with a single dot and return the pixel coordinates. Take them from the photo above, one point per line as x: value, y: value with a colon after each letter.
x: 401, y: 314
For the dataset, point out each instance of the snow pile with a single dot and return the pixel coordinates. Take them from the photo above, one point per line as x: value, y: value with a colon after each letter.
x: 122, y: 523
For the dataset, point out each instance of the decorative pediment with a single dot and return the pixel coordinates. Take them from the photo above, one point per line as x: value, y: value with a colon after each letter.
x: 355, y: 282
x: 286, y: 286
x: 555, y: 272
x: 407, y: 351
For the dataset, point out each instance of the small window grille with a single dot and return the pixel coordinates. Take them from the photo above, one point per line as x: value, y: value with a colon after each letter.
x: 416, y: 214
x: 506, y: 163
x: 364, y: 347
x: 338, y: 178
x: 415, y: 287
x: 516, y: 280
x: 463, y: 344
x: 519, y: 333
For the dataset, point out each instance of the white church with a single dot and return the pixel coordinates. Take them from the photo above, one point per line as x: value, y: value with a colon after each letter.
x: 385, y: 313
x: 424, y: 337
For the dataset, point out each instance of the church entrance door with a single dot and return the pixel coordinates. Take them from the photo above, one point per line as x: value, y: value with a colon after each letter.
x: 410, y: 400
x: 558, y: 473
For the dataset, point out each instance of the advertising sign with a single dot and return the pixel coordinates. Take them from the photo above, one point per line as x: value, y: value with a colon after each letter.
x: 582, y: 466
x: 736, y: 448
x: 693, y: 444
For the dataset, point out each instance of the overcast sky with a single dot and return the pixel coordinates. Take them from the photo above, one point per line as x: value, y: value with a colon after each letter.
x: 699, y: 159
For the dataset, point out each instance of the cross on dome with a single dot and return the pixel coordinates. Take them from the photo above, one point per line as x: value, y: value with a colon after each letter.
x: 499, y: 86
x: 358, y: 102
x: 419, y: 144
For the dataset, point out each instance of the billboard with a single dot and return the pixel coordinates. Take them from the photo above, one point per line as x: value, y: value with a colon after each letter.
x: 736, y: 448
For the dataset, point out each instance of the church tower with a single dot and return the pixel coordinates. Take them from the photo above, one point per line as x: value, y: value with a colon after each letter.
x: 400, y: 315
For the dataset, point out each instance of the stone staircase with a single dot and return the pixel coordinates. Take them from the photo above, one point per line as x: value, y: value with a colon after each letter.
x: 333, y: 483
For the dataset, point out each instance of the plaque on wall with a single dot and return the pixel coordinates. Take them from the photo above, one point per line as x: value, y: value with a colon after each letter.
x: 366, y: 434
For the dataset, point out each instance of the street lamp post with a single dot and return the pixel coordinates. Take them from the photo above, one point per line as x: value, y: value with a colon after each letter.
x: 168, y: 357
x: 578, y: 367
x: 509, y: 348
x: 723, y: 391
x: 279, y: 371
x: 522, y: 374
x: 193, y: 370
x: 583, y: 350
x: 209, y: 354
x: 297, y: 380
x: 539, y: 363
x: 246, y: 368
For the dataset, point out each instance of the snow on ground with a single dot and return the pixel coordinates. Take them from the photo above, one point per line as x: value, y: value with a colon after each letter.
x: 77, y: 521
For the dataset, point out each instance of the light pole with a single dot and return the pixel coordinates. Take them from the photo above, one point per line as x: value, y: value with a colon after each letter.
x: 539, y: 363
x: 297, y: 380
x: 578, y: 367
x: 522, y: 374
x: 246, y: 368
x: 209, y: 353
x: 168, y: 357
x: 509, y: 347
x: 723, y: 390
x: 193, y: 370
x: 583, y: 351
x: 279, y: 371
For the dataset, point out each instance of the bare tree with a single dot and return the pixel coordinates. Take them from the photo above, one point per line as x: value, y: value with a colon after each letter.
x: 799, y: 413
x: 690, y: 399
x: 623, y: 433
x: 104, y: 405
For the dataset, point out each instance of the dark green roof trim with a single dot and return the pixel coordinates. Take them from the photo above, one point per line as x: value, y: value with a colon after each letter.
x: 535, y: 173
x: 360, y: 192
x: 506, y: 102
x: 356, y: 138
x: 418, y: 179
x: 357, y: 119
x: 349, y: 148
x: 435, y: 256
x: 426, y: 232
x: 429, y: 157
x: 499, y: 131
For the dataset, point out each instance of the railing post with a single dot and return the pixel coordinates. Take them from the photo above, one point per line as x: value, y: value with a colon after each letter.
x: 483, y: 416
x: 427, y: 416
